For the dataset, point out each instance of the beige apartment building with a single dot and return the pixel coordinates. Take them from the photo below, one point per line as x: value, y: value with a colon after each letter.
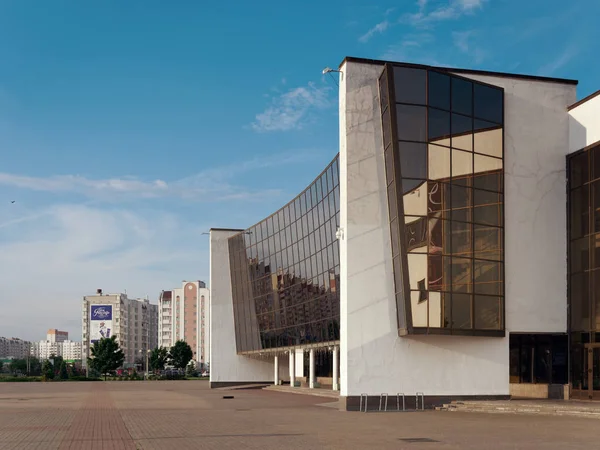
x: 184, y: 314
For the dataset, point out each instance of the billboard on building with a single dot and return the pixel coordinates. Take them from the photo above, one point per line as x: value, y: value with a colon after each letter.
x: 101, y: 325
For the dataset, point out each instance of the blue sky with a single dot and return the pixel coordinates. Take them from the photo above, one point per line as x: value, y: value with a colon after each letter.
x: 129, y: 128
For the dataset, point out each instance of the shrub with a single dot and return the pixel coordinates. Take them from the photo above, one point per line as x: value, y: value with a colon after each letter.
x: 19, y: 379
x: 82, y: 378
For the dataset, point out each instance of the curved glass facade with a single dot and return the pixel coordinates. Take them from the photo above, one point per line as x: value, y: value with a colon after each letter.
x: 285, y: 272
x: 443, y: 140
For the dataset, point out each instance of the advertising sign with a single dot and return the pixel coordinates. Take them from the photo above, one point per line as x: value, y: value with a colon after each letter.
x: 100, y: 322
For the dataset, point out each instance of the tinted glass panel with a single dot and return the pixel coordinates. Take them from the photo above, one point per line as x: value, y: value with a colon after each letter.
x: 413, y: 160
x: 411, y: 123
x: 461, y: 125
x: 578, y: 170
x: 488, y: 312
x: 488, y: 103
x: 462, y: 96
x: 439, y: 126
x: 439, y: 90
x: 410, y: 85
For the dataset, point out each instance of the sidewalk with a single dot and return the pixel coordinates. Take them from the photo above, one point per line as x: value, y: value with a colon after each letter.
x: 579, y: 408
x: 306, y: 391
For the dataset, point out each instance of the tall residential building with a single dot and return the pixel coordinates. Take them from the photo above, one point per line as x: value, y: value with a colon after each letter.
x: 14, y: 348
x: 134, y: 323
x: 184, y: 314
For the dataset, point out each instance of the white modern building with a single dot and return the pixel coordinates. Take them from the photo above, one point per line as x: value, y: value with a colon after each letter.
x: 448, y: 250
x: 184, y: 314
x: 14, y: 348
x: 134, y: 323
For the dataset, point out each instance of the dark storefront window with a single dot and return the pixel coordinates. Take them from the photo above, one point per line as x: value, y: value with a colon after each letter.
x: 443, y: 144
x: 285, y: 272
x: 538, y: 358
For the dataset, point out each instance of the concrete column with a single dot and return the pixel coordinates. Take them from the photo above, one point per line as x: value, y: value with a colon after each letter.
x: 311, y: 363
x: 299, y: 363
x: 276, y: 374
x: 336, y: 369
x: 292, y: 368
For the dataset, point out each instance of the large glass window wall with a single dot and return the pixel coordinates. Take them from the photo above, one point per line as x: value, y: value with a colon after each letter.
x: 443, y: 147
x: 285, y: 272
x: 584, y: 270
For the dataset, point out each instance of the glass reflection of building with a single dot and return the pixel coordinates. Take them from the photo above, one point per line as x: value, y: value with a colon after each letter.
x: 443, y: 140
x: 285, y: 273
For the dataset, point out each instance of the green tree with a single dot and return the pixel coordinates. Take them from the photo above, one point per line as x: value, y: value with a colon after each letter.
x: 1, y: 366
x: 106, y: 356
x: 18, y: 366
x: 35, y: 367
x: 190, y: 370
x: 158, y: 358
x: 181, y: 354
x: 63, y: 373
x: 48, y: 370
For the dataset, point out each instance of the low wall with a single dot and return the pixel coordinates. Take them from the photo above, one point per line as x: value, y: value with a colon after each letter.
x: 541, y: 390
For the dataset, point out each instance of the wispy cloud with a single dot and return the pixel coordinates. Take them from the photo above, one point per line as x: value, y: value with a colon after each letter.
x: 463, y: 41
x: 453, y: 10
x: 379, y: 28
x: 214, y: 184
x: 562, y: 59
x: 292, y: 109
x: 410, y: 49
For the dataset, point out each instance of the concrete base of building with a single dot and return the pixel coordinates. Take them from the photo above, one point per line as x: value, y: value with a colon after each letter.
x: 352, y: 402
x: 228, y: 384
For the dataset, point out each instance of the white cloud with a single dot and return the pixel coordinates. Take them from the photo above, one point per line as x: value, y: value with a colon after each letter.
x: 50, y: 264
x: 215, y: 184
x: 562, y: 59
x: 453, y: 10
x: 52, y: 256
x: 379, y: 28
x: 463, y: 41
x: 292, y: 110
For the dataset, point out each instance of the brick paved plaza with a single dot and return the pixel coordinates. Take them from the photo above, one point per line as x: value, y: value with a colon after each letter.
x: 188, y: 415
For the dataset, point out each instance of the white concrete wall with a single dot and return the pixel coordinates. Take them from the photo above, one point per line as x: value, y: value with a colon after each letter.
x: 584, y: 124
x: 373, y: 358
x: 225, y: 364
x: 536, y: 133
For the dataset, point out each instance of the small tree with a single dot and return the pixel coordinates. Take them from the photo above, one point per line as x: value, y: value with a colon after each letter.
x: 18, y: 365
x: 158, y: 358
x: 63, y: 373
x: 190, y: 370
x: 35, y: 366
x: 48, y: 370
x: 1, y: 366
x: 106, y: 356
x: 181, y: 354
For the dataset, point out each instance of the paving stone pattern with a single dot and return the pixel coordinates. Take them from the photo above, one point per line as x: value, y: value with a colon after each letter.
x: 188, y: 415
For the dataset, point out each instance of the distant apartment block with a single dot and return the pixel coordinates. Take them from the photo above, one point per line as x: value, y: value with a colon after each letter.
x: 134, y: 323
x: 14, y: 348
x: 184, y: 314
x: 55, y: 335
x: 57, y: 343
